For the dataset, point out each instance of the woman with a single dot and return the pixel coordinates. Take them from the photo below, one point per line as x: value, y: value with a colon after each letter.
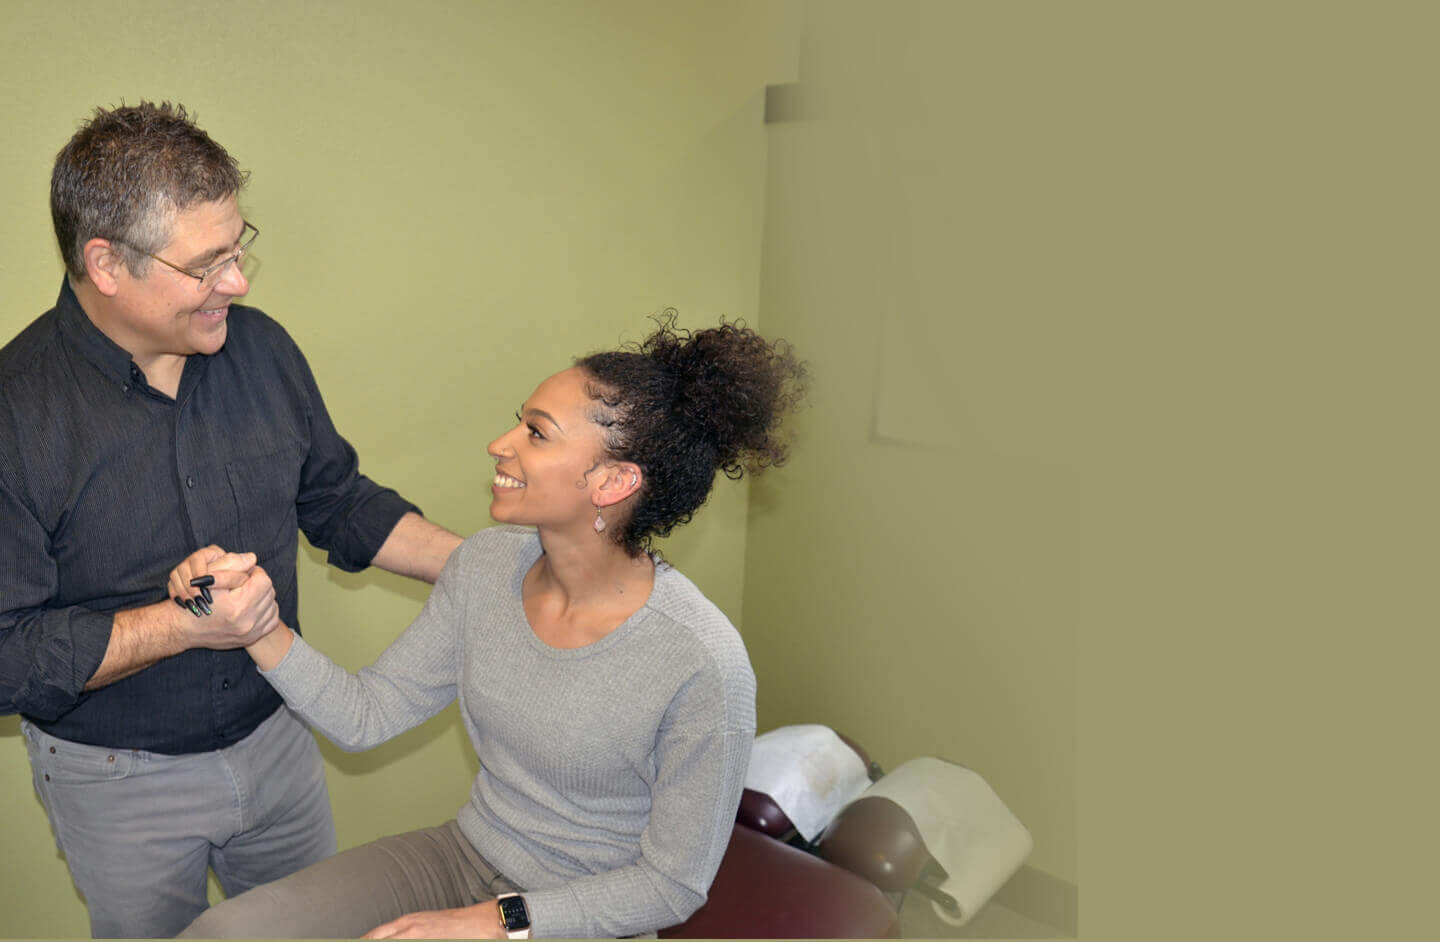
x: 611, y: 705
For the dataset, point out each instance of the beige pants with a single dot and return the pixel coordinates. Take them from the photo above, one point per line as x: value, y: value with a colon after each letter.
x: 347, y: 895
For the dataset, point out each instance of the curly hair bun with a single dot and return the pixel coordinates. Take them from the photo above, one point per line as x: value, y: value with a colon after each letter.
x: 732, y: 387
x: 683, y: 405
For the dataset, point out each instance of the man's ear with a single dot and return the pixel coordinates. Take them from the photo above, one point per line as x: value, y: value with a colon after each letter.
x: 103, y: 266
x: 620, y: 481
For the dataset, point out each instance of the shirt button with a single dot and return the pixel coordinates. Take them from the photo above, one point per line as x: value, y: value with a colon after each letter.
x: 52, y: 750
x: 224, y: 685
x: 189, y: 481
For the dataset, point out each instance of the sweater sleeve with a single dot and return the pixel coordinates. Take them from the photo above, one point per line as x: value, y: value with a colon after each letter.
x: 700, y: 772
x: 413, y: 679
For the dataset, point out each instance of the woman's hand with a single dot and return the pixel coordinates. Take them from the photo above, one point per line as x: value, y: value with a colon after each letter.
x: 226, y: 570
x: 481, y: 921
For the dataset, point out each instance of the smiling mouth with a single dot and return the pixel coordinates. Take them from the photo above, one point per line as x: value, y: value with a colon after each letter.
x: 505, y: 480
x: 214, y: 311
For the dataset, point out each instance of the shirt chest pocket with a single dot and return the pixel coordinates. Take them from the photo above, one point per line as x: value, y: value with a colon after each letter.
x: 264, y: 491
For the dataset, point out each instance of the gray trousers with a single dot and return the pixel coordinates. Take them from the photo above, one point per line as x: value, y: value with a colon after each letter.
x: 139, y: 830
x: 347, y: 895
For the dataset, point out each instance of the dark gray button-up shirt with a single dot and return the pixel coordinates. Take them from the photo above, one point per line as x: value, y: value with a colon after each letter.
x: 107, y: 484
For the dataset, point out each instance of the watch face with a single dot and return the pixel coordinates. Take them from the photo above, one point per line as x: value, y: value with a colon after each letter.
x: 513, y: 913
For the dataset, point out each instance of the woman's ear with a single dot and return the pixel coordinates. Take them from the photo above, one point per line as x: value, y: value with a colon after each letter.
x: 620, y: 481
x: 102, y: 266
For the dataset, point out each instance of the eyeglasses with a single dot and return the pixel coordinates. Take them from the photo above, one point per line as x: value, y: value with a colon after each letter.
x: 209, y: 276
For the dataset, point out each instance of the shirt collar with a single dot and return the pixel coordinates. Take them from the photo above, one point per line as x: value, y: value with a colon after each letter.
x: 89, y: 341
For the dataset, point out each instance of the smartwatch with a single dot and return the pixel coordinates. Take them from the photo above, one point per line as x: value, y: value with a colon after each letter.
x: 514, y: 916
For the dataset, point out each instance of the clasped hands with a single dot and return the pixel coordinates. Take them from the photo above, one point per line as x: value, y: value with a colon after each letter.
x: 239, y: 611
x: 231, y: 596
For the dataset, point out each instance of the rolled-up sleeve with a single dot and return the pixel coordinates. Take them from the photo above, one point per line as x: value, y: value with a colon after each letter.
x: 46, y: 655
x: 341, y: 510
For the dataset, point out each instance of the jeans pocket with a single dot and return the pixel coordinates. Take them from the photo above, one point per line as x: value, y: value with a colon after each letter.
x: 60, y: 762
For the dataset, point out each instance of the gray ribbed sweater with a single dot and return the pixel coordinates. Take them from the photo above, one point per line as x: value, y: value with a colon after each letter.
x: 609, y: 774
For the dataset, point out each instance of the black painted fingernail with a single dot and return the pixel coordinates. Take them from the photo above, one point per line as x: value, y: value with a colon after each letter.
x: 199, y: 581
x: 194, y: 609
x: 178, y: 602
x: 205, y: 593
x: 203, y: 607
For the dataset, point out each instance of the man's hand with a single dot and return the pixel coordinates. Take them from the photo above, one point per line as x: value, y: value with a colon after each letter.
x: 243, y: 611
x: 481, y: 921
x: 243, y: 607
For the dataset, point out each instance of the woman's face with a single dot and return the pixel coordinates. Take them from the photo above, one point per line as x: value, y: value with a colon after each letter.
x: 543, y: 464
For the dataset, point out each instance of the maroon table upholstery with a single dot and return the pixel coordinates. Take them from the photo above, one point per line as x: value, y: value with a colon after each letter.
x: 759, y: 812
x: 767, y: 889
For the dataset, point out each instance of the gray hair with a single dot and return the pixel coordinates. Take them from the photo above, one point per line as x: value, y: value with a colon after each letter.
x: 126, y: 174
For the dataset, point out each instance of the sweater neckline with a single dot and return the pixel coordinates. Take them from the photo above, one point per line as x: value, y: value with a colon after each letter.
x: 533, y: 553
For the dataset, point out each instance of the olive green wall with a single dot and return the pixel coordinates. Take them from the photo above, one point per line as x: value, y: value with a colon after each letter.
x: 1178, y: 315
x: 913, y: 577
x: 454, y: 198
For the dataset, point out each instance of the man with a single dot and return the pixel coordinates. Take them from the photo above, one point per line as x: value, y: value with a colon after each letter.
x: 144, y: 416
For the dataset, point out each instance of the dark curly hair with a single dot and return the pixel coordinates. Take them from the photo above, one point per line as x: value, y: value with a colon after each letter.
x: 124, y: 175
x: 683, y: 405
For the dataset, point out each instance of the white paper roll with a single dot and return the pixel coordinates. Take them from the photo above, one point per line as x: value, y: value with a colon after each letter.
x: 965, y: 826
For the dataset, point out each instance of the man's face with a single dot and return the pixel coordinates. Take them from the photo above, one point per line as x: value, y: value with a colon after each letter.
x: 166, y: 312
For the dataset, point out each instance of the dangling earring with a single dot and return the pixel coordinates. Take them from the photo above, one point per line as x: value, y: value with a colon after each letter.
x: 599, y: 521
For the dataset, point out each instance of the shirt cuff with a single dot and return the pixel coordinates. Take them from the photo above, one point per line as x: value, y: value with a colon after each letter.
x: 367, y: 529
x: 64, y: 664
